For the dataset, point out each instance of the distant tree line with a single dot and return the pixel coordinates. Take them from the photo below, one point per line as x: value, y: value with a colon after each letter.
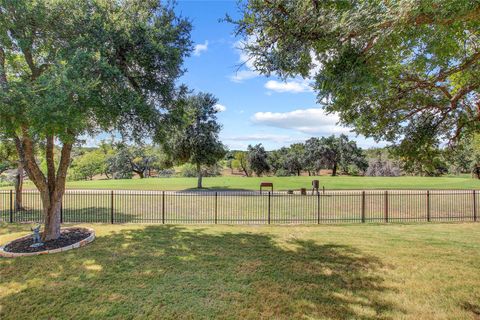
x: 117, y: 161
x: 338, y: 154
x: 342, y: 156
x: 434, y: 160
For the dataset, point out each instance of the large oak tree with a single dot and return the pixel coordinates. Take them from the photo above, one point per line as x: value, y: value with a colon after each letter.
x: 73, y: 68
x: 334, y: 153
x: 404, y: 71
x: 197, y: 140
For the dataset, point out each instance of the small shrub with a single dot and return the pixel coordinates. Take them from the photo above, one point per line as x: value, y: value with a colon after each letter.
x: 282, y: 173
x: 7, y: 179
x: 383, y: 168
x: 190, y: 170
x: 166, y: 173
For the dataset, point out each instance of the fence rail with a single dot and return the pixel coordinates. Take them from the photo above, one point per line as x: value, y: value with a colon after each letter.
x: 227, y: 207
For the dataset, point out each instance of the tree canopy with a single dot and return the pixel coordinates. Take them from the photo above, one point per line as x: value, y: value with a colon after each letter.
x: 258, y: 159
x: 394, y: 70
x: 242, y: 160
x: 334, y: 153
x: 8, y: 156
x: 198, y: 142
x: 141, y: 160
x: 89, y: 165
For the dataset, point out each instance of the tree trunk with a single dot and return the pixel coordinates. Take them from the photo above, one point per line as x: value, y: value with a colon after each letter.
x: 199, y: 172
x: 52, y: 186
x: 476, y: 172
x: 141, y: 174
x: 334, y: 170
x: 245, y: 169
x: 51, y: 211
x: 19, y: 187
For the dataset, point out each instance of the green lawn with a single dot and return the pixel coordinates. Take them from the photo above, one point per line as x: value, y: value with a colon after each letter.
x: 282, y: 183
x: 226, y: 272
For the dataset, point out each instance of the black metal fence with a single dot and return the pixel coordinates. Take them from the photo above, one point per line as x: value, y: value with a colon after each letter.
x: 227, y: 207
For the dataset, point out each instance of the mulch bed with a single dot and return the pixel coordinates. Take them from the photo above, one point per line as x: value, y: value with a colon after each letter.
x: 67, y: 237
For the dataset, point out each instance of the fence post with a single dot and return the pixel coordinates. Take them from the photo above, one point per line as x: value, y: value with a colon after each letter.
x: 111, y: 208
x: 163, y: 207
x: 318, y: 207
x: 11, y: 206
x: 386, y: 206
x: 61, y: 210
x: 428, y: 205
x: 474, y: 206
x: 269, y: 206
x: 216, y: 206
x: 363, y: 206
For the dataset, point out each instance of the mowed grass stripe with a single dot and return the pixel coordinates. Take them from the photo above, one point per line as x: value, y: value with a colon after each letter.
x: 280, y: 183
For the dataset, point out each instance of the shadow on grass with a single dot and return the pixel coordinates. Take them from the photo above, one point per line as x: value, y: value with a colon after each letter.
x: 474, y: 309
x: 7, y: 228
x: 216, y: 188
x: 92, y: 214
x: 171, y: 272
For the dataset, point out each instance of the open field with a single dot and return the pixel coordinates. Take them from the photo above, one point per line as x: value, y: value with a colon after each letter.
x: 281, y: 183
x: 181, y: 272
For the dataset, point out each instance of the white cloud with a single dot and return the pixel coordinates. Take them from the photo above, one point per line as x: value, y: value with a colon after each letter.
x: 311, y: 121
x: 236, y: 145
x: 220, y: 107
x: 90, y: 142
x: 242, y: 75
x: 316, y: 65
x: 260, y: 137
x: 294, y: 86
x: 199, y: 48
x: 246, y: 59
x: 246, y: 62
x: 275, y: 141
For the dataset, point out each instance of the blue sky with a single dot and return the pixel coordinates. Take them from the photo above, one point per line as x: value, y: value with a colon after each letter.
x: 255, y: 109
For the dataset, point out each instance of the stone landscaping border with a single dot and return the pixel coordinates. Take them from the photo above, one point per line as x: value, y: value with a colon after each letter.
x: 79, y: 244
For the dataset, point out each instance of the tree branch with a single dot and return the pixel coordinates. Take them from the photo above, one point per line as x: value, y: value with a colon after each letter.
x: 62, y: 168
x: 26, y: 153
x: 421, y: 83
x: 462, y: 92
x: 279, y: 6
x: 50, y: 158
x: 27, y: 53
x: 423, y: 18
x: 467, y: 63
x: 3, y: 73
